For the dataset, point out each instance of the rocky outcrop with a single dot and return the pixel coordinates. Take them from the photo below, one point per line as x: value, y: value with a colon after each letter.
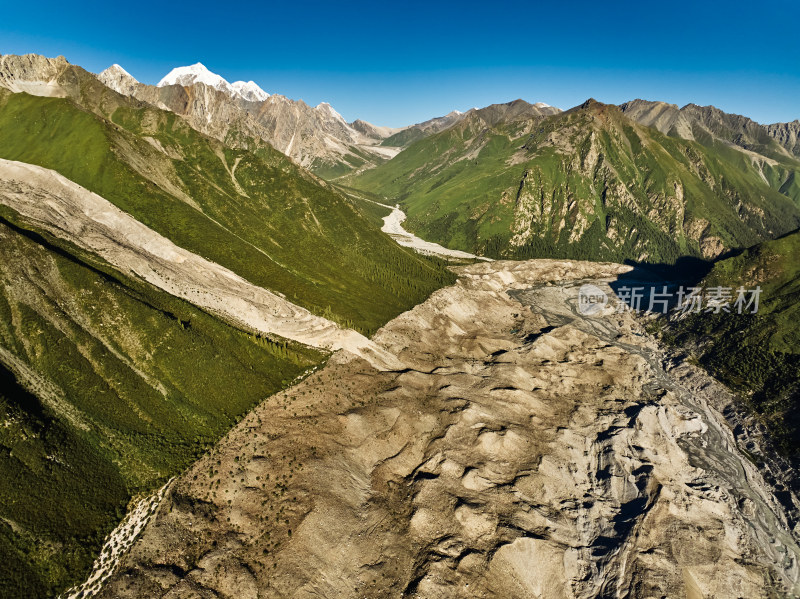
x: 665, y: 117
x: 787, y: 134
x: 522, y: 450
x: 32, y: 74
x: 691, y: 121
x: 118, y: 79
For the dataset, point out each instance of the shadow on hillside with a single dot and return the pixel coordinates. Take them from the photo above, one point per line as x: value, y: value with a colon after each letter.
x: 656, y: 287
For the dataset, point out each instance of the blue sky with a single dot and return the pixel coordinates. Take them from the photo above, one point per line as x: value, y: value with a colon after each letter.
x: 404, y: 62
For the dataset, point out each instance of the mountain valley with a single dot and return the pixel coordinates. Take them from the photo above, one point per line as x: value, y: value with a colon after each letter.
x: 250, y: 349
x: 517, y: 181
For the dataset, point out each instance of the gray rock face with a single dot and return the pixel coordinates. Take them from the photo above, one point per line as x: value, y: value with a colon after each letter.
x: 32, y: 74
x: 372, y: 131
x: 693, y: 121
x: 119, y: 80
x: 787, y: 134
x: 523, y: 450
x: 667, y: 118
x: 315, y: 137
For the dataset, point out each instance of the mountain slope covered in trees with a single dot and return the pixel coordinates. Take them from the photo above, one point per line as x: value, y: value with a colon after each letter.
x: 255, y: 212
x: 109, y: 387
x: 755, y: 354
x: 510, y: 181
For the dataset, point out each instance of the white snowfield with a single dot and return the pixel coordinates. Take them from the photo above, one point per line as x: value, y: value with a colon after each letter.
x: 198, y: 73
x: 393, y: 227
x: 68, y: 211
x: 249, y: 90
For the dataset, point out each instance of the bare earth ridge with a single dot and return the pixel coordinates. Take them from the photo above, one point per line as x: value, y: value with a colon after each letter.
x: 521, y: 450
x: 68, y: 211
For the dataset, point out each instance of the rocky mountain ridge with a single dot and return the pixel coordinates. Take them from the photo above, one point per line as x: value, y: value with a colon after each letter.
x: 516, y: 180
x: 33, y: 74
x: 787, y: 134
x: 697, y: 122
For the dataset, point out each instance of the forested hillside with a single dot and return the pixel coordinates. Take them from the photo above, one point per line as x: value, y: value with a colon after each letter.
x: 510, y: 181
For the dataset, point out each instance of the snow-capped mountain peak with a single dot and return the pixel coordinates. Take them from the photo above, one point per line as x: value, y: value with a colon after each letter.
x: 196, y: 73
x: 249, y: 91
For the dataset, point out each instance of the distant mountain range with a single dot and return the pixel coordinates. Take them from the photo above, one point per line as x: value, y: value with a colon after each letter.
x: 705, y: 123
x: 644, y: 181
x: 317, y: 137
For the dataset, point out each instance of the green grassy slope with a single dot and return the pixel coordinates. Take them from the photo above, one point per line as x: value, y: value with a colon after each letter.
x: 369, y: 204
x: 588, y: 183
x: 107, y: 388
x: 403, y: 138
x: 758, y: 355
x: 254, y: 212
